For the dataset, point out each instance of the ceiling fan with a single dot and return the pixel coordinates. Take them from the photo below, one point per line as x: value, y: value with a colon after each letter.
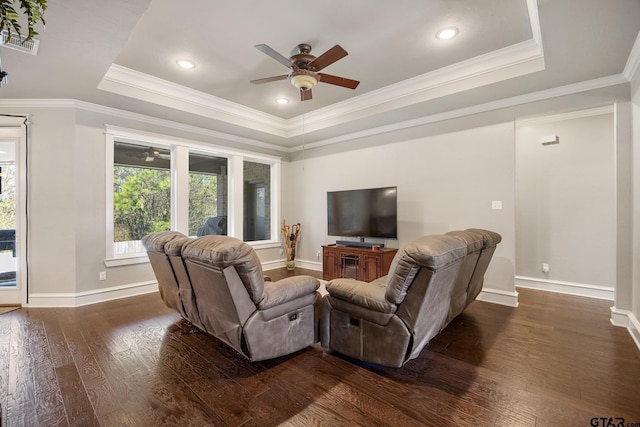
x: 304, y: 67
x: 152, y: 153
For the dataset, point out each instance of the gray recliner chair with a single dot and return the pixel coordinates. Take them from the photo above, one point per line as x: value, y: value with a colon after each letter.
x: 475, y: 243
x: 168, y: 284
x: 390, y: 320
x: 261, y: 320
x: 490, y: 241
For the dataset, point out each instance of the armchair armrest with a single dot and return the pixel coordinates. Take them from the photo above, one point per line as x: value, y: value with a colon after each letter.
x: 287, y: 289
x: 367, y: 295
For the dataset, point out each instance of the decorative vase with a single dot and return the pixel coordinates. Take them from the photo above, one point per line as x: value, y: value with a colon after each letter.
x: 291, y: 265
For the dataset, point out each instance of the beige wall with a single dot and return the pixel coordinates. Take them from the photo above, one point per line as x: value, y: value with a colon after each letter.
x: 52, y: 200
x: 445, y: 182
x: 635, y: 101
x: 447, y: 174
x: 66, y: 170
x: 566, y: 199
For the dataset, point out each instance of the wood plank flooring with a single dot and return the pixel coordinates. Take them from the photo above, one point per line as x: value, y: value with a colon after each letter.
x: 554, y: 361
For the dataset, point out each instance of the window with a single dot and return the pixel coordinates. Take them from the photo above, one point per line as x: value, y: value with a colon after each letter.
x: 257, y: 201
x: 157, y: 183
x: 8, y: 211
x: 141, y: 194
x: 207, y: 195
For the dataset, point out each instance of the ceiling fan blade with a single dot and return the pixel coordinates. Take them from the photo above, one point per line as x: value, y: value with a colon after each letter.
x: 269, y: 79
x: 338, y: 81
x: 275, y: 55
x: 305, y: 95
x: 328, y: 58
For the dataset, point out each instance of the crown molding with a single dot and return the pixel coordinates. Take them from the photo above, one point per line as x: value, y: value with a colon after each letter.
x: 633, y: 62
x: 570, y: 115
x: 475, y: 109
x: 534, y: 21
x: 131, y: 83
x: 115, y: 112
x: 511, y: 61
x: 461, y: 112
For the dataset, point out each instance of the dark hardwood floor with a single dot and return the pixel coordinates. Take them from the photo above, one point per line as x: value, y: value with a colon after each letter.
x: 554, y: 361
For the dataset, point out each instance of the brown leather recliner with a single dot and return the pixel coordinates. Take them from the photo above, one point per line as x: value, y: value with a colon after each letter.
x: 261, y: 320
x: 390, y: 320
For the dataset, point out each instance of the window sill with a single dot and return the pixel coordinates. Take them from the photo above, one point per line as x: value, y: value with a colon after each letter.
x: 126, y: 260
x: 143, y: 258
x: 264, y: 244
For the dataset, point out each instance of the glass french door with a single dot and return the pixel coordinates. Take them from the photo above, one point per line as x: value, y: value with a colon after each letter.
x: 11, y: 211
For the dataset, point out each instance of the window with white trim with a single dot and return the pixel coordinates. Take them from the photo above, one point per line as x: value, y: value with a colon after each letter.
x: 157, y: 183
x: 207, y: 195
x: 141, y: 194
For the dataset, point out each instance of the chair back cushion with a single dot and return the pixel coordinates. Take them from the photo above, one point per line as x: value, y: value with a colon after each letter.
x: 173, y: 249
x: 475, y: 243
x: 156, y: 244
x: 491, y: 240
x: 433, y: 252
x: 221, y: 252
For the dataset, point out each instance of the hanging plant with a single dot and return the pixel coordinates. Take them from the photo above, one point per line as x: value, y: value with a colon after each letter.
x: 10, y: 11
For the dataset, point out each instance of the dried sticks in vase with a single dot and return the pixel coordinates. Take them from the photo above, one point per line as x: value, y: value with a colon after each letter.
x: 290, y: 238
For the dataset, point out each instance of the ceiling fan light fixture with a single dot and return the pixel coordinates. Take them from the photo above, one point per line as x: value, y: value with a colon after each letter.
x: 303, y: 79
x: 447, y: 33
x: 151, y: 155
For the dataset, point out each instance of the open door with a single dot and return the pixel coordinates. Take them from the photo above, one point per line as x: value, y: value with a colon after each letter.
x: 12, y: 288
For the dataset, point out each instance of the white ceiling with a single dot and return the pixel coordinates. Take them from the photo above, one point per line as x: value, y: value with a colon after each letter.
x: 122, y: 54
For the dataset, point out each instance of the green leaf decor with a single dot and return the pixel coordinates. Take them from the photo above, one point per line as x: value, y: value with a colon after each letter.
x: 10, y: 11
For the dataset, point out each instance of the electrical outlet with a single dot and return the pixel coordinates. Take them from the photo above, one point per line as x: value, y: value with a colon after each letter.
x: 318, y: 254
x: 281, y: 251
x: 545, y: 268
x: 103, y: 275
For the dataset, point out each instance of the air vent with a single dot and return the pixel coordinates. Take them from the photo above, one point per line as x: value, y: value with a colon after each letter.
x: 16, y: 42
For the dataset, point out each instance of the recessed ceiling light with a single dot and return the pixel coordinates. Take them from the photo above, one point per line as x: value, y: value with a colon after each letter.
x: 185, y: 63
x: 282, y: 101
x: 447, y: 33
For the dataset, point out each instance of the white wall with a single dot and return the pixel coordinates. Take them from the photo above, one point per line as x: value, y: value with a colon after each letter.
x: 566, y: 199
x: 447, y: 174
x: 445, y: 182
x: 51, y: 201
x: 66, y: 197
x: 635, y: 105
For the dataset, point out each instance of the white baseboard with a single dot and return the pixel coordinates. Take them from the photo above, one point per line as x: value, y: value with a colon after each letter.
x: 570, y: 288
x: 311, y: 265
x: 91, y: 297
x: 626, y: 319
x: 498, y: 296
x: 78, y: 299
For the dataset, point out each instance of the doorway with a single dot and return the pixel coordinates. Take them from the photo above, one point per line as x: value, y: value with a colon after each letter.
x: 12, y: 289
x: 566, y: 215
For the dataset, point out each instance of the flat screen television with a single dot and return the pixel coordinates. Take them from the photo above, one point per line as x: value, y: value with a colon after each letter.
x: 370, y: 212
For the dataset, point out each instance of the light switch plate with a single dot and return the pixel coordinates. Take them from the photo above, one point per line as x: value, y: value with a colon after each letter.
x: 496, y: 204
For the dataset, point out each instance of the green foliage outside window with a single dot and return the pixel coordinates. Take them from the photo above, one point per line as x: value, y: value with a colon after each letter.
x: 203, y: 199
x: 141, y: 202
x: 7, y: 198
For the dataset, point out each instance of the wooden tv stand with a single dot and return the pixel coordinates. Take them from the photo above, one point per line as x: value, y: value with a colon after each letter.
x: 363, y: 264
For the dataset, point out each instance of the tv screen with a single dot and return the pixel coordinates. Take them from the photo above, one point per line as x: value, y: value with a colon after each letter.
x: 371, y: 212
